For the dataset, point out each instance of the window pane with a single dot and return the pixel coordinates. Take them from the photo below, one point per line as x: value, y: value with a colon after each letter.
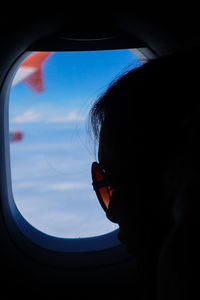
x: 51, y: 150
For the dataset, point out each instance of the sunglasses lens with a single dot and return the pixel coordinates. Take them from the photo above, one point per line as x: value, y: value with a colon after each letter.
x: 103, y: 190
x: 98, y: 173
x: 105, y: 196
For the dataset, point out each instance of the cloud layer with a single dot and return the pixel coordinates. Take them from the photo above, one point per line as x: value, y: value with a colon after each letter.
x: 73, y: 116
x: 32, y: 115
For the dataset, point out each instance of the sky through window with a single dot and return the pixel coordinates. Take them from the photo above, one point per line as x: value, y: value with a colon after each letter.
x: 50, y: 165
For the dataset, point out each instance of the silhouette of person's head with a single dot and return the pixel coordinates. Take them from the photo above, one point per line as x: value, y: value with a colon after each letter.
x: 148, y: 128
x: 147, y: 125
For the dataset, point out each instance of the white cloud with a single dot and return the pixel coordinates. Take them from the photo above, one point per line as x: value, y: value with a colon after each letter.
x: 29, y: 115
x: 66, y: 186
x: 33, y: 115
x: 59, y: 186
x: 73, y: 116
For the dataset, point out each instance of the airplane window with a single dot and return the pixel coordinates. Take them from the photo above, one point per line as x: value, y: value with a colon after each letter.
x: 51, y: 150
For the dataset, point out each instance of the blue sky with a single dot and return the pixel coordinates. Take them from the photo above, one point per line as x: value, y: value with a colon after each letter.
x: 51, y: 166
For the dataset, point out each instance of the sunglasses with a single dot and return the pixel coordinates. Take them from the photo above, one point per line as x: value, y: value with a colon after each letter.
x: 101, y: 185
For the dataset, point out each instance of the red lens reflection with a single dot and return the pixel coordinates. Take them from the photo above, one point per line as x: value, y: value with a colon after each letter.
x: 101, y: 185
x: 105, y: 196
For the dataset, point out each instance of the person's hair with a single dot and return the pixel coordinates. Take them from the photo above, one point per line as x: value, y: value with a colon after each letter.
x: 161, y: 98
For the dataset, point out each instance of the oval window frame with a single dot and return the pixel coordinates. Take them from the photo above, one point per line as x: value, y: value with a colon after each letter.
x: 63, y: 252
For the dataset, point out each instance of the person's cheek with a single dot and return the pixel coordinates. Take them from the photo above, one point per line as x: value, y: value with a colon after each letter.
x: 114, y: 213
x: 118, y: 211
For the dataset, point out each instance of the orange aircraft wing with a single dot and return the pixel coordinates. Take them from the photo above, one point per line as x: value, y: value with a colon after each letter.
x: 36, y: 79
